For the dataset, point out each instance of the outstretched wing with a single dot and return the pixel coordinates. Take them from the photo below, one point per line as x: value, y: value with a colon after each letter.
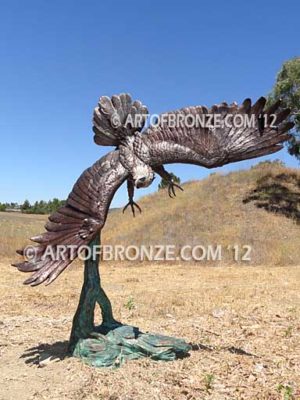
x: 192, y: 140
x: 75, y: 224
x: 116, y: 118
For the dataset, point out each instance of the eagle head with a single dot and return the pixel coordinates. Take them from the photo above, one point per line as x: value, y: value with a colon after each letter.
x: 143, y: 176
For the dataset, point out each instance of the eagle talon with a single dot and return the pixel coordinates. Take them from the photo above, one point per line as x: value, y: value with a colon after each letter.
x: 132, y: 204
x: 171, y: 189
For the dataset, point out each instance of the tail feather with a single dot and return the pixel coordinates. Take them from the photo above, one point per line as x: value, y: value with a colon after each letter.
x: 111, y: 122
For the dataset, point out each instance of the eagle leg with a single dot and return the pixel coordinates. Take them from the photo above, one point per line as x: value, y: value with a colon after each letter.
x: 131, y: 203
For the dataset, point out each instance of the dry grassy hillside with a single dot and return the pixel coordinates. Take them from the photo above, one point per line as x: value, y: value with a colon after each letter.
x: 259, y: 207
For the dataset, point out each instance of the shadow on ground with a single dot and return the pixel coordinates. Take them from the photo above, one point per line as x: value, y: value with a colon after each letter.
x: 54, y: 350
x: 230, y: 349
x: 279, y: 194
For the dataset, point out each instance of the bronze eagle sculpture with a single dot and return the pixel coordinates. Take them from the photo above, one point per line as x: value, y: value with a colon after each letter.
x: 139, y: 154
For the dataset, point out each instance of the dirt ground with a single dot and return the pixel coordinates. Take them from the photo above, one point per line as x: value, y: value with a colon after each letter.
x: 243, y: 323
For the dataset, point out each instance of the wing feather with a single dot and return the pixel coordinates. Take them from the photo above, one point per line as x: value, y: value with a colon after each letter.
x: 76, y: 223
x: 216, y: 145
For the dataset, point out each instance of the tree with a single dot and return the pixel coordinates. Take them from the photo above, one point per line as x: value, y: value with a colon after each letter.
x: 287, y: 88
x: 164, y: 184
x: 54, y: 204
x: 25, y: 206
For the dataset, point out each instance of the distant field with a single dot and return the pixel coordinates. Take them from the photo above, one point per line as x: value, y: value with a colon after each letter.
x: 16, y: 229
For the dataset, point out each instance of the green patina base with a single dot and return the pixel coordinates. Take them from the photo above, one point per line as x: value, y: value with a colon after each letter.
x: 128, y: 343
x: 112, y: 343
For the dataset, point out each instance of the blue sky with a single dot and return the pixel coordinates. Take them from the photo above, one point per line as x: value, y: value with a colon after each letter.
x: 58, y: 57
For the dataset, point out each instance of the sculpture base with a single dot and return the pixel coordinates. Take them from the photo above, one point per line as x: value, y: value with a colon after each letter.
x: 112, y: 347
x: 112, y: 343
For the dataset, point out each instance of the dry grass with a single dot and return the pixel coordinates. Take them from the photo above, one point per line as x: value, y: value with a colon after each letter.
x: 16, y: 229
x: 243, y: 321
